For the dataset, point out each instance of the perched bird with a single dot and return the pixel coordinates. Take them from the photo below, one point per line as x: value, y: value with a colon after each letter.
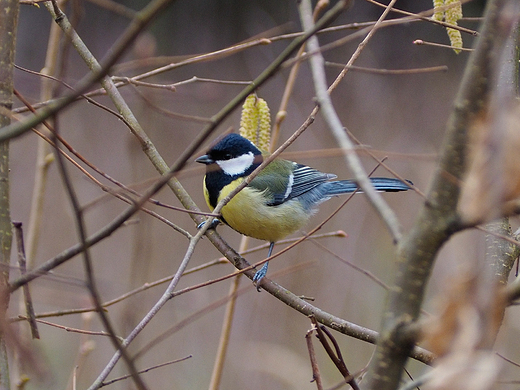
x: 277, y: 202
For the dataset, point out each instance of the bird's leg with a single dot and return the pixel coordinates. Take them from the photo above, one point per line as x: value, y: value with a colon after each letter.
x: 263, y: 271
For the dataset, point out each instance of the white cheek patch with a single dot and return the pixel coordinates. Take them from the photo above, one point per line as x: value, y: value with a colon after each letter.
x: 237, y: 165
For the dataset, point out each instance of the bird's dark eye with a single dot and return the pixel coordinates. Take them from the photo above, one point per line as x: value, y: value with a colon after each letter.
x: 227, y: 156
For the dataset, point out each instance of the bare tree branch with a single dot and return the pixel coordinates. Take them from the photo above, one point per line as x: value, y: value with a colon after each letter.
x: 8, y: 27
x: 439, y: 218
x: 336, y: 127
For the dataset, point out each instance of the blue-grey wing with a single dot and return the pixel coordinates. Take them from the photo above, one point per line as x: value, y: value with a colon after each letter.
x: 302, y: 180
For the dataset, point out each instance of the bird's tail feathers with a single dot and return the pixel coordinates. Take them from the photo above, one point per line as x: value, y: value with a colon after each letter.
x: 380, y: 184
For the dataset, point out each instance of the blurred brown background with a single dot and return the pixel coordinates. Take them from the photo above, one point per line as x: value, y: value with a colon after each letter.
x: 403, y: 116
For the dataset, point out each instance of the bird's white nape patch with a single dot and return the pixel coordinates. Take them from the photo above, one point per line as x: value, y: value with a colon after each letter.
x: 237, y: 165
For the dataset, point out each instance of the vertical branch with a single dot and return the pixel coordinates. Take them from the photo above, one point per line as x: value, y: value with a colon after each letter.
x: 43, y: 161
x: 501, y: 254
x: 330, y: 116
x: 225, y: 333
x: 89, y: 271
x: 316, y: 377
x: 8, y: 24
x: 438, y: 219
x: 22, y: 263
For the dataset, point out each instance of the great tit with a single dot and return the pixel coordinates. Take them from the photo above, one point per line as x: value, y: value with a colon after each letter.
x: 277, y: 202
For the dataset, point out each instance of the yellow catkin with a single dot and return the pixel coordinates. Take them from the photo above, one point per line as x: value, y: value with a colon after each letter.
x: 438, y: 15
x: 249, y: 118
x: 450, y: 11
x: 452, y: 15
x: 455, y: 39
x: 255, y: 122
x: 264, y: 125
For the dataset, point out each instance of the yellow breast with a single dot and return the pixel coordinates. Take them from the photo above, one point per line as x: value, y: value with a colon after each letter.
x: 247, y: 213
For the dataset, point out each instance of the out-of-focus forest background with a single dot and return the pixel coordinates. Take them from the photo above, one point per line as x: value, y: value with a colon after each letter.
x: 399, y: 116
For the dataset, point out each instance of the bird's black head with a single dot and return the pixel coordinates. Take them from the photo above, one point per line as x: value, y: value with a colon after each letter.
x: 229, y: 159
x: 234, y: 155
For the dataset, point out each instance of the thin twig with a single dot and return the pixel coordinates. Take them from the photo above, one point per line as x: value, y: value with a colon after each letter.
x: 147, y: 286
x: 249, y: 44
x: 188, y: 321
x: 382, y: 163
x: 44, y: 151
x: 420, y: 42
x: 69, y: 329
x: 29, y: 308
x: 141, y: 20
x: 214, y: 81
x: 431, y: 69
x: 417, y: 382
x: 167, y: 87
x: 423, y: 17
x: 334, y: 123
x: 33, y: 107
x: 167, y: 295
x: 85, y: 347
x: 335, y: 355
x: 103, y: 174
x: 316, y: 377
x: 170, y: 114
x: 89, y: 272
x: 114, y: 7
x: 220, y: 358
x: 368, y: 274
x: 146, y: 370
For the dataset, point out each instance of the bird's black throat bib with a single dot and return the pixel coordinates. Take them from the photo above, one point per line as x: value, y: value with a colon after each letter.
x: 216, y: 179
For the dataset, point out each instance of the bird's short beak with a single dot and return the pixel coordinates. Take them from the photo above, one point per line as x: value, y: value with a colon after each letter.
x: 205, y: 160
